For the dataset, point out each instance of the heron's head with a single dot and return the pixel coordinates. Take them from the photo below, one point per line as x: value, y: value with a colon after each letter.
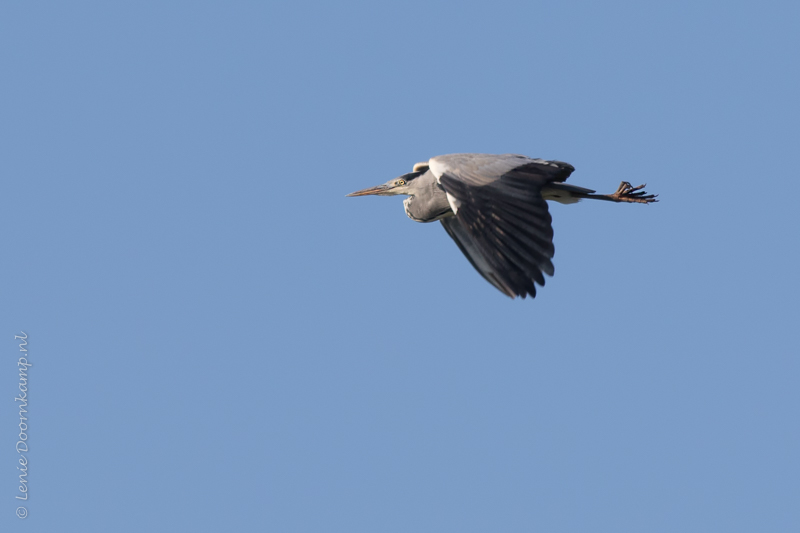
x: 401, y: 185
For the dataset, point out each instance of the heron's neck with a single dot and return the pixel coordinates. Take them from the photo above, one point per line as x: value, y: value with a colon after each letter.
x: 428, y: 202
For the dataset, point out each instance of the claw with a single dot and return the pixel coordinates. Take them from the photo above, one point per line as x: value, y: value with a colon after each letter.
x: 628, y: 193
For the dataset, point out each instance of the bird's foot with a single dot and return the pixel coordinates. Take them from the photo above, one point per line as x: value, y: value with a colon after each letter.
x: 628, y: 193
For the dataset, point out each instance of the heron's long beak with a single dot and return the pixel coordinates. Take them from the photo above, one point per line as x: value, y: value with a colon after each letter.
x: 379, y: 190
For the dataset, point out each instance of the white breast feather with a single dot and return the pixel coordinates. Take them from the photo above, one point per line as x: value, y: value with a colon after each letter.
x: 438, y: 168
x: 453, y: 201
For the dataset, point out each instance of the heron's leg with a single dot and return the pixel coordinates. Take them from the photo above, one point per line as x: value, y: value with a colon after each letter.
x: 628, y: 193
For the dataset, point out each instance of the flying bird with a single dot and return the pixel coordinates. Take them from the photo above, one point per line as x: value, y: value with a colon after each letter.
x: 494, y: 207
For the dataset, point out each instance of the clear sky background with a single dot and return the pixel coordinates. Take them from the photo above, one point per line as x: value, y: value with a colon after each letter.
x: 223, y: 342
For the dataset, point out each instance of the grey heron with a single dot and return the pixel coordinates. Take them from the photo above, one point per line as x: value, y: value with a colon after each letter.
x: 494, y: 207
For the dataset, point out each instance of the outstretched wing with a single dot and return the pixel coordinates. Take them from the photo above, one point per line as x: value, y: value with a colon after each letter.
x: 502, y: 223
x: 459, y: 233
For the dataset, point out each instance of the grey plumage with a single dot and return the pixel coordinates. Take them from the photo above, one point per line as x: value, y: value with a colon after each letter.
x: 494, y: 208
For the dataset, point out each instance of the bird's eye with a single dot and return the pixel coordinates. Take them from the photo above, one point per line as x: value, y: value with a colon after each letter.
x: 401, y: 182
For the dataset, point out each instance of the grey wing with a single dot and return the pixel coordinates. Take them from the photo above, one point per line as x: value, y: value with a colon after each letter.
x: 502, y: 223
x: 472, y: 251
x: 481, y: 169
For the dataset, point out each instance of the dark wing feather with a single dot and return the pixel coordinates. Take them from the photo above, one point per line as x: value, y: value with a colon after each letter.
x: 470, y: 249
x: 502, y: 223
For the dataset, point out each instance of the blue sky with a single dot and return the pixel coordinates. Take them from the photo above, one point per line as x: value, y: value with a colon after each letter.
x: 222, y: 341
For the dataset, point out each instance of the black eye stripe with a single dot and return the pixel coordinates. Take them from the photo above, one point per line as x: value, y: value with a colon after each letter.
x: 410, y: 176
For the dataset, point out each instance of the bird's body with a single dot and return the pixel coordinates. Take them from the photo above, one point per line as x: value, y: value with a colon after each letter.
x: 494, y: 208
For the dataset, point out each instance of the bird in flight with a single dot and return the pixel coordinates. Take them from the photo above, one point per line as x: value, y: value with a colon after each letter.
x: 494, y: 207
